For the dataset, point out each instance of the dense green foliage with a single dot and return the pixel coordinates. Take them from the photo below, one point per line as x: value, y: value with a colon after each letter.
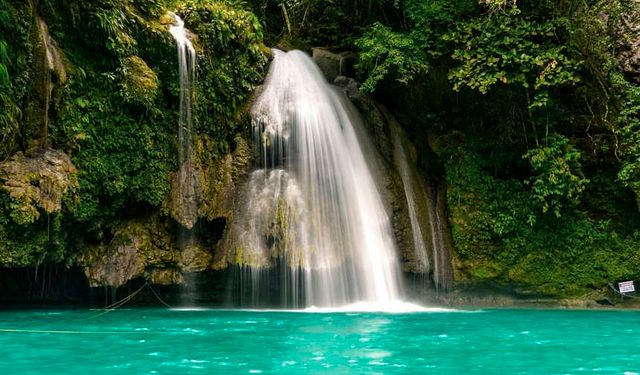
x: 117, y: 114
x: 535, y: 124
x: 537, y: 129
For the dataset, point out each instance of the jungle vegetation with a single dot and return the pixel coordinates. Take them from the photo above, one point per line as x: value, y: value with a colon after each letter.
x: 535, y: 124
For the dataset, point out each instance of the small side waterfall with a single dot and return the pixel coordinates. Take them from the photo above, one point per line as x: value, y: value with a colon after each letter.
x: 51, y: 65
x: 431, y: 249
x: 402, y: 166
x: 187, y: 184
x: 312, y: 214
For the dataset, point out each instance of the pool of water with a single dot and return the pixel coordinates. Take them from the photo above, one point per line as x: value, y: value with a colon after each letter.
x: 155, y: 341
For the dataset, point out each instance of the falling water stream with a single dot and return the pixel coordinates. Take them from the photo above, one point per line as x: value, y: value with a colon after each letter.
x: 403, y: 167
x: 427, y: 227
x: 186, y: 178
x: 186, y: 184
x: 311, y: 208
x: 52, y: 61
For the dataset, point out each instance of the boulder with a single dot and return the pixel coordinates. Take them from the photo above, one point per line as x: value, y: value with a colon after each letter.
x: 165, y: 276
x: 142, y: 249
x: 115, y: 266
x: 213, y: 179
x: 334, y: 65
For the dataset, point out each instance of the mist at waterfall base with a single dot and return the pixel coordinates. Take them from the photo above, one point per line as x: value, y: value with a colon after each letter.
x: 243, y: 342
x: 312, y: 230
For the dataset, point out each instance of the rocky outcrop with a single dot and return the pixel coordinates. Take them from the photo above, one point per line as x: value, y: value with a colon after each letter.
x: 214, y: 179
x: 185, y: 196
x: 37, y: 182
x: 220, y: 177
x: 148, y: 250
x: 142, y: 250
x: 334, y: 65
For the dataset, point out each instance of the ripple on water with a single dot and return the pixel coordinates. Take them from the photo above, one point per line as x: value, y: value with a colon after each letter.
x: 493, y: 342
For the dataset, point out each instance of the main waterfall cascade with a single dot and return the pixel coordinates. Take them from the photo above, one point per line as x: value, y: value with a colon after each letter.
x: 311, y: 209
x: 186, y: 177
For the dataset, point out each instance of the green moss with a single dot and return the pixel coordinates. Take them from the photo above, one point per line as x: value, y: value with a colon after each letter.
x: 501, y: 235
x: 140, y: 83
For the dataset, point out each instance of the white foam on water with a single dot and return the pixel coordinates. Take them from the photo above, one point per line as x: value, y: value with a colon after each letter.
x: 395, y: 307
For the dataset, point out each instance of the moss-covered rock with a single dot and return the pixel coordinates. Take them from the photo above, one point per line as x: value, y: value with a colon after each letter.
x: 165, y: 276
x: 220, y: 178
x: 140, y: 83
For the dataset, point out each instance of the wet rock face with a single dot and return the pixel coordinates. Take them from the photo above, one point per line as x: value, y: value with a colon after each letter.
x: 334, y: 65
x: 214, y: 179
x: 38, y: 181
x: 372, y: 115
x: 183, y: 203
x: 142, y: 250
x: 48, y: 76
x: 428, y: 193
x: 116, y: 266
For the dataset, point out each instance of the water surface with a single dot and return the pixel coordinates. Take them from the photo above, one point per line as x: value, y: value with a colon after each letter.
x: 155, y: 341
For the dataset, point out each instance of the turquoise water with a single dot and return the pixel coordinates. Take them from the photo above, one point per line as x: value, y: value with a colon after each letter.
x: 142, y: 341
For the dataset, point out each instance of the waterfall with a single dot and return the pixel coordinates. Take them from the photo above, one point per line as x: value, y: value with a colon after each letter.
x: 51, y: 64
x: 188, y: 200
x: 402, y: 166
x: 311, y: 209
x: 432, y: 252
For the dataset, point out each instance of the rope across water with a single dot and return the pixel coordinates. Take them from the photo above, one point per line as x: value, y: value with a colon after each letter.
x: 107, y: 309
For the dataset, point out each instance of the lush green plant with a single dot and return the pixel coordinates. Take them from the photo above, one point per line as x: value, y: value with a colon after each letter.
x: 13, y: 71
x: 4, y: 72
x: 122, y: 160
x: 558, y: 180
x: 229, y: 67
x: 405, y: 54
x: 506, y: 48
x: 387, y: 53
x: 630, y: 128
x: 29, y: 245
x: 500, y: 233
